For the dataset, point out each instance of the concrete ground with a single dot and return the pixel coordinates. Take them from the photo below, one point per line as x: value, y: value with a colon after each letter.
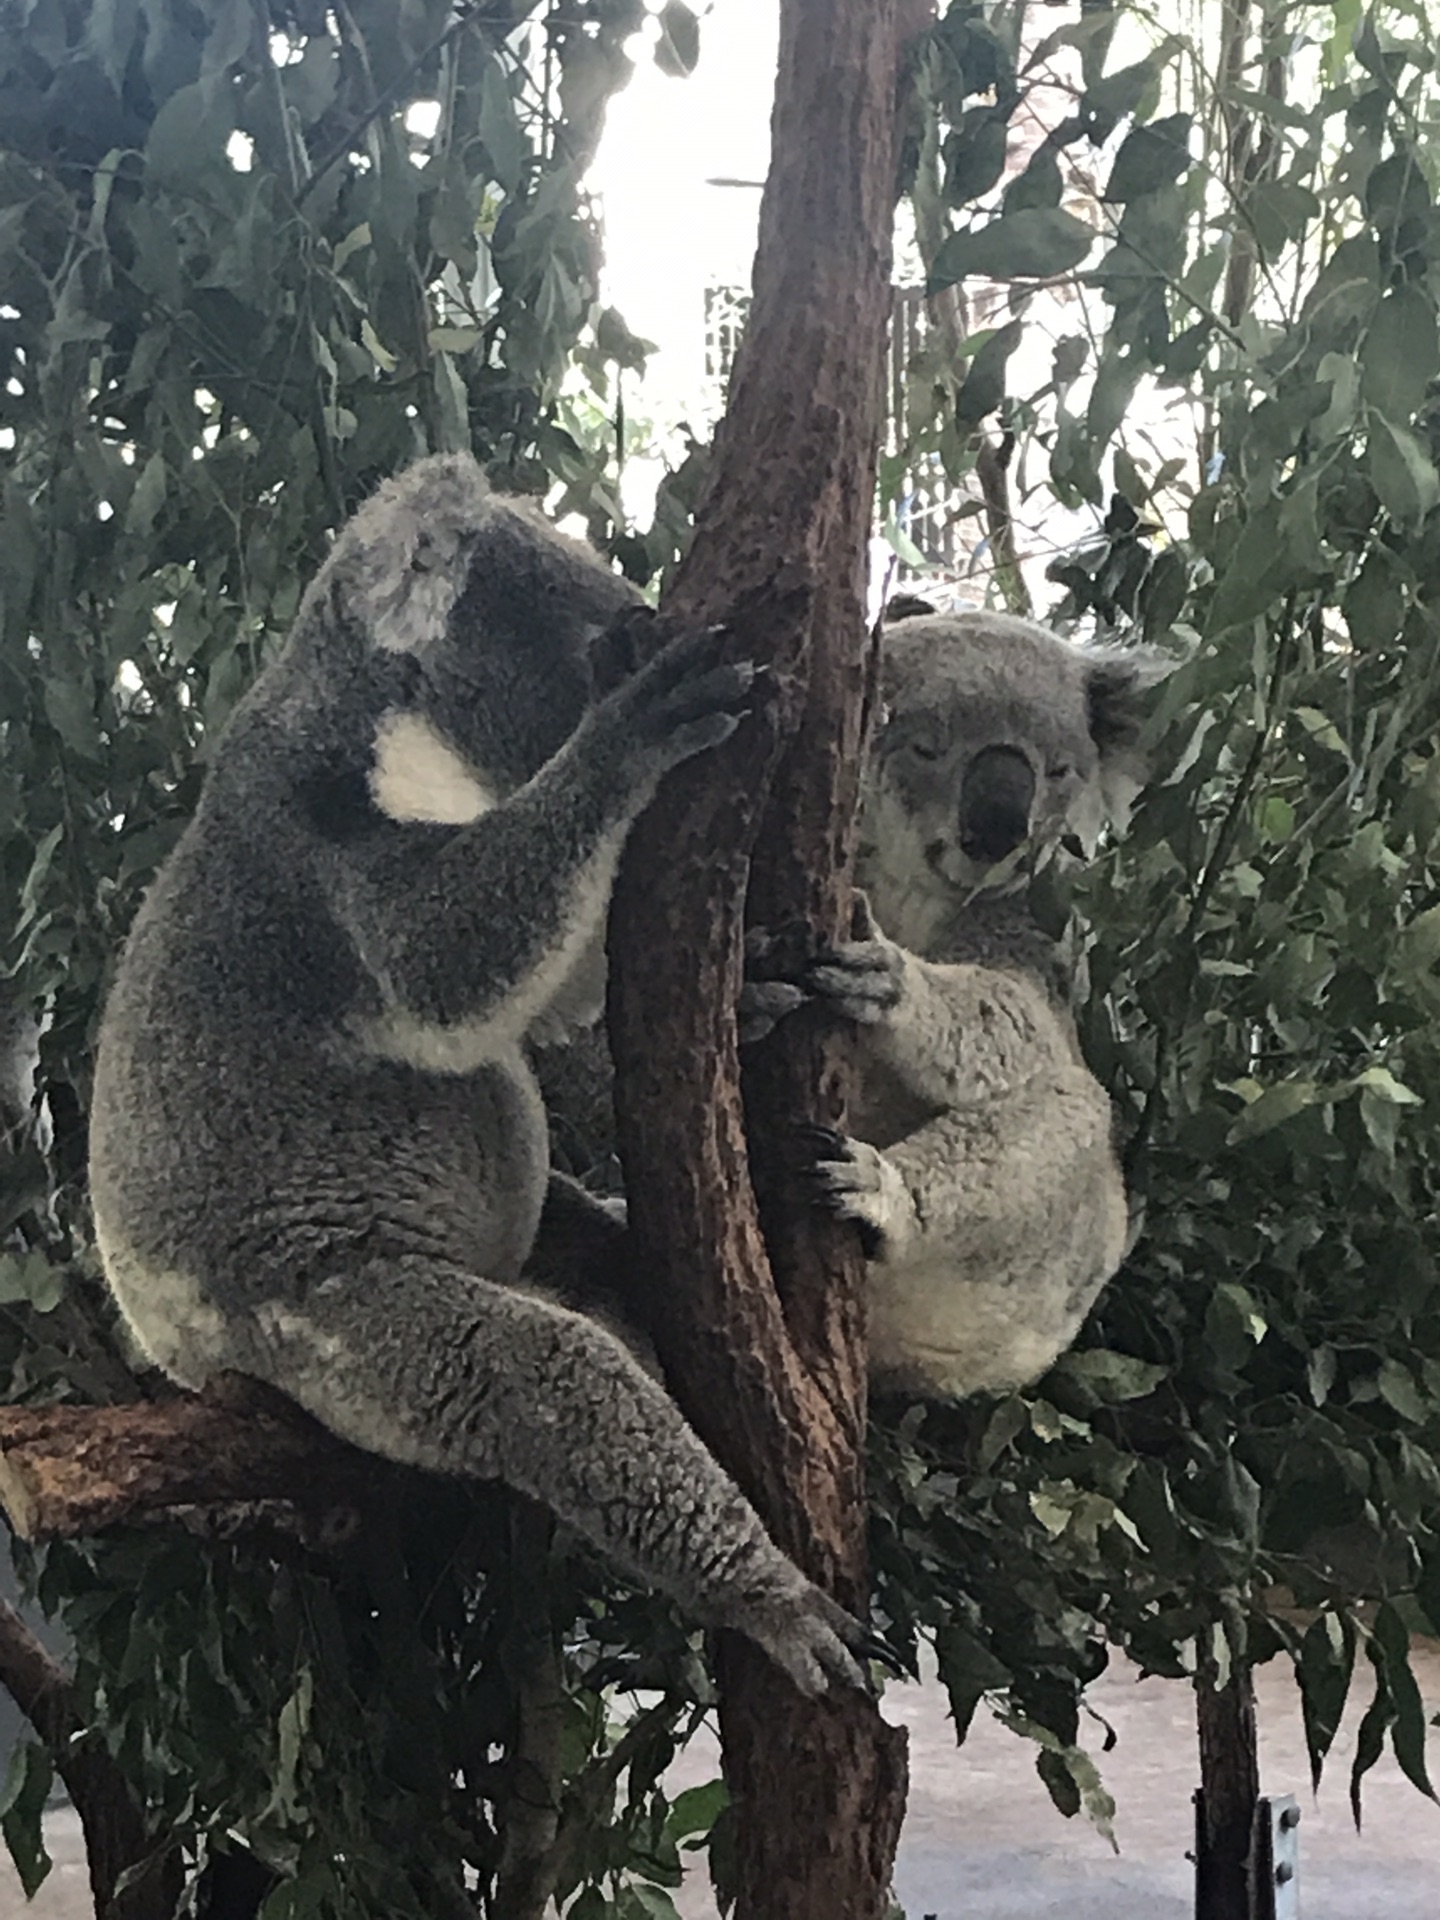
x: 982, y: 1841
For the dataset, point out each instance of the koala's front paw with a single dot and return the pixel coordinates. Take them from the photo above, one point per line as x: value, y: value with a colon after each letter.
x: 861, y: 980
x: 620, y: 650
x: 854, y: 1181
x: 685, y: 700
x: 764, y: 1004
x: 772, y: 989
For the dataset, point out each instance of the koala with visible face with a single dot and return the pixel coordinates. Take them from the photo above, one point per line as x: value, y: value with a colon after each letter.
x: 981, y: 1164
x: 318, y: 1155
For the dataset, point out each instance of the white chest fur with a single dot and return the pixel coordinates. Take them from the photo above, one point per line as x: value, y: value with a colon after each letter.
x: 418, y: 776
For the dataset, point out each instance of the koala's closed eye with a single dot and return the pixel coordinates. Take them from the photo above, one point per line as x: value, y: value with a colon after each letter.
x: 924, y: 749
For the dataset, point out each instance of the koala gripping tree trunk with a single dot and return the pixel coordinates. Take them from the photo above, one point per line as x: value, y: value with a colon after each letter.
x: 762, y: 1331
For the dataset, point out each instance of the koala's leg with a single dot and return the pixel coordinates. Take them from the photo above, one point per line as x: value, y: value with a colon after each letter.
x: 995, y: 1175
x: 583, y: 1255
x: 509, y: 1385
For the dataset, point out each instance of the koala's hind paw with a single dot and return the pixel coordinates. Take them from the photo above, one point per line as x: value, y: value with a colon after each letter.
x: 810, y: 1637
x: 855, y: 1181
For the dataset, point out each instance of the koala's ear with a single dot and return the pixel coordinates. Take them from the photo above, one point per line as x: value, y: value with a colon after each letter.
x: 1116, y: 685
x: 906, y: 606
x: 402, y: 562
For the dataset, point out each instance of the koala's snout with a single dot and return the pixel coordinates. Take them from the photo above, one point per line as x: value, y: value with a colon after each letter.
x: 996, y: 797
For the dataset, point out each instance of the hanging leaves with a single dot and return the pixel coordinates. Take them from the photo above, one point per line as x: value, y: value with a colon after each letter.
x: 1033, y: 243
x: 1236, y: 400
x: 235, y: 290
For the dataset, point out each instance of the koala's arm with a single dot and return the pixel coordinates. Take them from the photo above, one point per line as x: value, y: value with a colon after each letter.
x: 481, y: 926
x: 951, y: 1034
x: 959, y: 1033
x: 475, y: 931
x: 984, y: 1180
x: 985, y: 1145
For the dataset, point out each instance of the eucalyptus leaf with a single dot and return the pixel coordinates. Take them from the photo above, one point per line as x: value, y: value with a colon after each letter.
x: 1036, y: 242
x: 1323, y: 1671
x: 1399, y: 354
x: 1150, y: 156
x: 1403, y: 471
x: 22, y: 1805
x: 677, y: 47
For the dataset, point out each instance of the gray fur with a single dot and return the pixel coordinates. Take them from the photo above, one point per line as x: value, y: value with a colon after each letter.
x: 318, y: 1155
x: 982, y: 1166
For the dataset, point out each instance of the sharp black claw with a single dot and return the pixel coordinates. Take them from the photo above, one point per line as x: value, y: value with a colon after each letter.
x: 872, y: 1647
x: 834, y: 957
x: 824, y: 1142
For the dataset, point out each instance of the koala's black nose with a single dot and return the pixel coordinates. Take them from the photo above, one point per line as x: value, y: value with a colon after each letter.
x: 996, y: 796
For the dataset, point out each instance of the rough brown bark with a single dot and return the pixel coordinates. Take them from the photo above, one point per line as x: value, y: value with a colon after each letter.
x: 75, y: 1470
x: 762, y: 1333
x: 1227, y: 1804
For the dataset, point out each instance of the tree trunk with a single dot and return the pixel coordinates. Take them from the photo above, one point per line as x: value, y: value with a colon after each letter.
x: 762, y: 1335
x: 1228, y: 1800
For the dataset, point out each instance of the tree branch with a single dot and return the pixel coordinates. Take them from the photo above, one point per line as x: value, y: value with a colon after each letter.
x: 117, y: 1838
x: 77, y: 1470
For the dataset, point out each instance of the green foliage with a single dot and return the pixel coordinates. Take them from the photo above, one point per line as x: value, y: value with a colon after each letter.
x: 234, y: 291
x: 1255, y: 1409
x: 343, y: 1713
x: 207, y: 363
x: 22, y: 1802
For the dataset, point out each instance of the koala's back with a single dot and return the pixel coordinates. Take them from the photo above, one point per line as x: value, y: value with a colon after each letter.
x: 245, y: 1146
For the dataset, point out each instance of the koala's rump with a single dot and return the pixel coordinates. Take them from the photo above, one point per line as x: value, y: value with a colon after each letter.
x: 234, y: 1168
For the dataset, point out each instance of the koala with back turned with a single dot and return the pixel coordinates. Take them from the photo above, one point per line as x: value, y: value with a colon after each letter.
x: 981, y: 1163
x: 318, y: 1155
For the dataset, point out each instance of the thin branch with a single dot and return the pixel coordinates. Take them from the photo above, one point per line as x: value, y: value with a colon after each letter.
x: 505, y: 18
x: 118, y: 1840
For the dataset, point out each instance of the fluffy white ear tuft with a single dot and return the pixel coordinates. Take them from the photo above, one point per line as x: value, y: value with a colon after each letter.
x: 402, y: 560
x: 1116, y: 688
x: 416, y: 775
